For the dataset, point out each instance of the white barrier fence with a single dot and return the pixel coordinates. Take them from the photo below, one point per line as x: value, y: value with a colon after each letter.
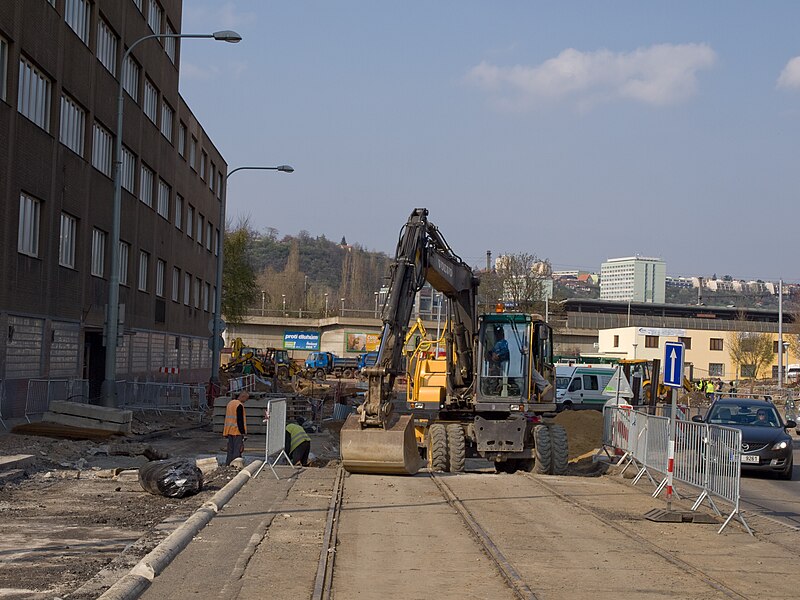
x: 41, y: 392
x: 707, y: 457
x: 275, y: 420
x: 162, y: 397
x: 244, y: 383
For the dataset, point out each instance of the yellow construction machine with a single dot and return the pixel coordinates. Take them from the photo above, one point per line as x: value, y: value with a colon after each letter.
x: 486, y: 397
x: 265, y: 362
x: 645, y: 370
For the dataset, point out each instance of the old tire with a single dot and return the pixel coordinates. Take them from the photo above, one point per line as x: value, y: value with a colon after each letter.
x: 559, y: 450
x: 457, y: 447
x: 437, y: 448
x: 543, y: 450
x: 319, y: 374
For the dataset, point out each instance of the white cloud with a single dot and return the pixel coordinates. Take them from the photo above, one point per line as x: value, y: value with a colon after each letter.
x: 790, y: 76
x: 660, y: 75
x: 216, y: 16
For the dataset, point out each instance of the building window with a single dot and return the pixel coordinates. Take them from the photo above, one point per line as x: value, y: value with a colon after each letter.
x: 169, y: 43
x: 150, y: 100
x: 192, y: 152
x: 747, y: 371
x: 616, y: 341
x: 209, y: 233
x: 138, y: 4
x: 216, y: 243
x: 98, y: 252
x: 219, y: 184
x: 178, y: 211
x: 686, y: 341
x: 775, y: 346
x: 212, y: 176
x: 200, y: 229
x: 161, y: 267
x: 76, y: 14
x: 154, y: 16
x: 176, y: 283
x: 716, y: 370
x: 102, y: 144
x: 651, y: 341
x: 29, y: 212
x: 716, y: 344
x: 144, y: 263
x: 197, y: 292
x: 187, y: 288
x: 203, y: 159
x: 206, y: 294
x: 3, y: 68
x: 128, y: 169
x: 164, y: 192
x: 33, y: 98
x: 182, y: 139
x: 66, y: 246
x: 167, y: 115
x: 130, y: 77
x: 189, y: 220
x: 107, y: 47
x: 73, y: 123
x: 124, y: 252
x: 146, y: 180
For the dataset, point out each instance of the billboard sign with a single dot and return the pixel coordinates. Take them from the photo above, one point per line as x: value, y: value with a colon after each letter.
x: 362, y: 342
x: 301, y: 340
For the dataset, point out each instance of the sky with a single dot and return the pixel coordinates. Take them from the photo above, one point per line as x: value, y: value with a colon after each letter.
x: 574, y: 131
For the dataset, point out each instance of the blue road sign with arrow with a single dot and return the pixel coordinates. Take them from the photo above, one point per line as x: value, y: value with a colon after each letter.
x: 673, y: 364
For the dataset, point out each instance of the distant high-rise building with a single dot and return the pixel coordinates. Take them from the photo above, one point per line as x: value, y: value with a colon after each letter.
x: 636, y: 279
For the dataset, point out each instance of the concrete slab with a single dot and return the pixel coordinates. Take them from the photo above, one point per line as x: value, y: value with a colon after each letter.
x: 86, y: 423
x: 90, y: 411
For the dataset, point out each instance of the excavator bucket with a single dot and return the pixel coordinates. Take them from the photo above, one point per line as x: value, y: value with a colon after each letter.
x: 389, y: 451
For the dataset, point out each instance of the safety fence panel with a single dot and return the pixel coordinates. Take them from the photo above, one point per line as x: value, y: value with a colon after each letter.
x: 158, y: 397
x: 244, y: 383
x: 274, y: 445
x: 41, y: 392
x: 707, y: 457
x: 3, y: 408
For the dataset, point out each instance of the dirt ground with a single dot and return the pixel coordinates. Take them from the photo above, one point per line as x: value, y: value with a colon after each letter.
x: 69, y: 514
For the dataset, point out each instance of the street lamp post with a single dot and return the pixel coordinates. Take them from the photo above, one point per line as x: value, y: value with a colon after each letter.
x: 283, y: 296
x: 217, y: 321
x: 109, y: 388
x: 376, y: 304
x: 342, y: 306
x: 263, y: 301
x: 326, y: 306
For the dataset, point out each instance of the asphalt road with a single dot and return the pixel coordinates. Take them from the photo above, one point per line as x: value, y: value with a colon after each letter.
x: 761, y: 493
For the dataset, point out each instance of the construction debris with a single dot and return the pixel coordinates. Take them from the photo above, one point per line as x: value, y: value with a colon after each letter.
x: 89, y: 416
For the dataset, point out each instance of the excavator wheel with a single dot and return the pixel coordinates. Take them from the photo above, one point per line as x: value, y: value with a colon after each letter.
x: 389, y: 450
x: 456, y: 447
x: 559, y: 449
x: 283, y: 372
x: 437, y: 448
x: 544, y: 450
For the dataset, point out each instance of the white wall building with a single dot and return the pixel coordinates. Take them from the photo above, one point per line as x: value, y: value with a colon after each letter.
x: 635, y: 279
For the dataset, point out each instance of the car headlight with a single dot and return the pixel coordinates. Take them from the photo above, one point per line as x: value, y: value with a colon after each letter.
x: 780, y: 445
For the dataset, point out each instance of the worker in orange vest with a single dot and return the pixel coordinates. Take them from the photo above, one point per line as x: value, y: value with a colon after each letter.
x: 235, y: 428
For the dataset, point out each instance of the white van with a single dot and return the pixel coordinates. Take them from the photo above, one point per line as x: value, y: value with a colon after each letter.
x: 582, y: 386
x: 793, y: 373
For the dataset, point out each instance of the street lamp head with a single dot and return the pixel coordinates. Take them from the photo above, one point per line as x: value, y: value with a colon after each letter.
x: 286, y: 169
x: 227, y: 36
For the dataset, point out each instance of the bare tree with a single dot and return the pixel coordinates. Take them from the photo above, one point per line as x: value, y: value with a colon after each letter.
x: 750, y: 352
x: 519, y: 279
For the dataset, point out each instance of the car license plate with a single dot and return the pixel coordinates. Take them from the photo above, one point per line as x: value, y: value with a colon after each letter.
x: 749, y: 458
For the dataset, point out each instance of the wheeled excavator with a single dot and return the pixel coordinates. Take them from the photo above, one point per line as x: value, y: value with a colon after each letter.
x: 467, y: 403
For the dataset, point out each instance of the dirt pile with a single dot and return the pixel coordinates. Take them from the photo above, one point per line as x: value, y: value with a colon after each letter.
x: 584, y: 430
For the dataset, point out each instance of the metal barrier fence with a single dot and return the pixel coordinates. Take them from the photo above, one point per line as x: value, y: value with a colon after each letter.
x: 162, y: 397
x: 41, y: 392
x: 275, y: 419
x: 3, y: 403
x: 244, y: 383
x: 707, y: 457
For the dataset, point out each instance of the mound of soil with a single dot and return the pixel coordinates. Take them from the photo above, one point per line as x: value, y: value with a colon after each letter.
x: 584, y: 430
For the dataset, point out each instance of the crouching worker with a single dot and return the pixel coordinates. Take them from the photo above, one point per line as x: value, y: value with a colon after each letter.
x: 298, y: 443
x: 235, y: 428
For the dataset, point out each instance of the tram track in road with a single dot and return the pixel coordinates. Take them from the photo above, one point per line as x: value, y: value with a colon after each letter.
x: 511, y: 576
x: 324, y: 580
x: 682, y: 565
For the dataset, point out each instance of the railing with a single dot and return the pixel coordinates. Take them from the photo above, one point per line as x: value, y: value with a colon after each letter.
x: 244, y: 383
x: 3, y: 409
x: 41, y: 392
x: 162, y: 397
x: 707, y: 457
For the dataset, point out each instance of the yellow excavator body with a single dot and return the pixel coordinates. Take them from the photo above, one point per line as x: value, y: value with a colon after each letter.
x: 388, y: 450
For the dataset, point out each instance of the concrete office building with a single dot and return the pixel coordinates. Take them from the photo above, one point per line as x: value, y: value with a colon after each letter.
x: 60, y: 64
x: 633, y: 279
